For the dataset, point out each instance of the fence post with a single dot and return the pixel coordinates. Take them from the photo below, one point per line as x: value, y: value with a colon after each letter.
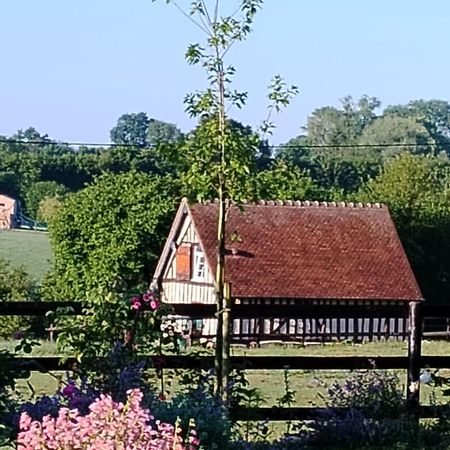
x: 414, y: 358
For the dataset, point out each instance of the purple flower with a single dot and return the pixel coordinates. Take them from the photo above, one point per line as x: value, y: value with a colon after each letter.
x: 69, y: 390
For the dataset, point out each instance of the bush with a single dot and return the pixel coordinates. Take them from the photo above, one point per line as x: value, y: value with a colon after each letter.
x: 15, y: 285
x: 107, y: 425
x: 368, y: 410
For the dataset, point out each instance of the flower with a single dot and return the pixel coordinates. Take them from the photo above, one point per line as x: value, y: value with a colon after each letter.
x: 147, y: 296
x: 107, y: 423
x: 135, y: 299
x: 136, y: 305
x: 69, y: 390
x: 154, y: 305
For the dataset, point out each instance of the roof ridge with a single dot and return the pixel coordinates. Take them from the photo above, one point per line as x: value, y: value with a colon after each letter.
x: 299, y: 203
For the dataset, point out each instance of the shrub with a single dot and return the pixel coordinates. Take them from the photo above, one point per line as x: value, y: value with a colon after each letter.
x: 108, y: 425
x: 15, y: 285
x: 366, y: 409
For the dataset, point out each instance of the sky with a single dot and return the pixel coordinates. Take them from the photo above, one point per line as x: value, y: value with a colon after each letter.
x: 71, y: 68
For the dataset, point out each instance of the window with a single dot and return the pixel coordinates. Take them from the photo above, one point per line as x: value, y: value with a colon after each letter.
x: 198, y: 272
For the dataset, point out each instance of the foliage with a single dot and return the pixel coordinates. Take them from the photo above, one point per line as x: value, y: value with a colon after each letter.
x: 40, y: 191
x: 131, y: 129
x: 283, y: 181
x: 108, y: 424
x: 110, y: 234
x: 202, y: 172
x: 363, y: 411
x: 111, y: 333
x: 10, y: 372
x: 332, y: 126
x: 395, y: 134
x: 159, y: 131
x: 196, y: 400
x: 15, y: 285
x: 374, y: 393
x: 415, y: 189
x: 48, y: 207
x: 434, y: 115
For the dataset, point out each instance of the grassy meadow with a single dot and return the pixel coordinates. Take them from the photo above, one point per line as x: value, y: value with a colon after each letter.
x: 308, y: 384
x: 29, y: 249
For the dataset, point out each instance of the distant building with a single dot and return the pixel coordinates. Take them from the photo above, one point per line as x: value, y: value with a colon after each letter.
x: 9, y: 210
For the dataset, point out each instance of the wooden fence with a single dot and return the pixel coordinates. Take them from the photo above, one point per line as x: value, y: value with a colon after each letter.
x: 415, y: 313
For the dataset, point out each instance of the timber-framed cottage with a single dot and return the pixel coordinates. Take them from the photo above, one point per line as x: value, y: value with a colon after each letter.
x: 283, y: 253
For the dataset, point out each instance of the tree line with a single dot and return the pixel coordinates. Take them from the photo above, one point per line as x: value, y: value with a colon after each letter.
x: 109, y: 209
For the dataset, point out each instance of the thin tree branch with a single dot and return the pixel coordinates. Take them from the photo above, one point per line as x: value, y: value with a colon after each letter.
x: 188, y: 16
x: 216, y: 11
x: 208, y: 17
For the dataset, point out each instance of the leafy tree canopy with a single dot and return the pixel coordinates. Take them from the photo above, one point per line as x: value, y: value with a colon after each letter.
x: 392, y: 132
x: 131, y: 129
x: 416, y: 190
x: 110, y: 234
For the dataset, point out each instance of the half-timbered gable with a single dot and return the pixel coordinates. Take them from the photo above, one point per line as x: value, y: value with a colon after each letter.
x: 184, y: 275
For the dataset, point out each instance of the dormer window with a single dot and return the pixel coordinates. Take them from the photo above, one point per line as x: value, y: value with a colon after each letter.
x: 198, y: 272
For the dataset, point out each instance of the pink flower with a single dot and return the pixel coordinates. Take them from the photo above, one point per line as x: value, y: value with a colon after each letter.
x: 107, y: 424
x: 25, y: 421
x: 147, y: 296
x: 154, y: 305
x: 136, y: 305
x: 135, y: 299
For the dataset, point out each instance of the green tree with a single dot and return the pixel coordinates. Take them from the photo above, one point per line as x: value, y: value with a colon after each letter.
x: 39, y: 191
x: 417, y: 192
x: 330, y: 126
x: 213, y: 103
x: 434, y: 115
x: 131, y: 129
x: 395, y: 134
x: 159, y: 131
x: 283, y: 181
x: 110, y: 234
x: 48, y: 208
x: 15, y: 285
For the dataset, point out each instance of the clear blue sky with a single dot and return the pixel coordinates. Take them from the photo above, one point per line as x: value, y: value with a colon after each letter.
x: 70, y: 68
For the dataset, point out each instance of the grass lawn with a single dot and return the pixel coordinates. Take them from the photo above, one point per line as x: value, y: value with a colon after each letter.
x: 308, y: 384
x: 30, y: 249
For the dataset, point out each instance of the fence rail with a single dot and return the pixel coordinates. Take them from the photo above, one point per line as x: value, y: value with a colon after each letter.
x: 414, y: 313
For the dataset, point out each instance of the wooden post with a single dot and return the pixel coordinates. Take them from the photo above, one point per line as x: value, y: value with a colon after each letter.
x: 414, y: 358
x: 226, y: 340
x: 220, y: 281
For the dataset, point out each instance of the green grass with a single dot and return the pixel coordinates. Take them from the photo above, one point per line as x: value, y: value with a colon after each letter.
x: 29, y: 249
x: 308, y: 384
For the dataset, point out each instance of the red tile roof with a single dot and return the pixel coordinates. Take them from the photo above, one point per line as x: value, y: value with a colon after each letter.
x: 310, y: 250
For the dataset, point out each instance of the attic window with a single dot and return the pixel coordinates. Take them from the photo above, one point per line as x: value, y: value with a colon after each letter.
x: 198, y: 272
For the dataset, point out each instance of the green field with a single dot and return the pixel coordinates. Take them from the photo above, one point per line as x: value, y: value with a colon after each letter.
x: 308, y: 384
x: 29, y: 249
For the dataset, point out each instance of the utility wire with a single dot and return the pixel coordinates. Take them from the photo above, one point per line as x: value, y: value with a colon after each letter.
x: 296, y: 146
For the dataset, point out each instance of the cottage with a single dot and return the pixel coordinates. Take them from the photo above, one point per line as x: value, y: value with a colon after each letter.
x: 286, y: 252
x: 9, y: 209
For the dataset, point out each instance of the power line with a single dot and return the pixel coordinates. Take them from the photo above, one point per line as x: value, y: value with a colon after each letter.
x: 70, y: 144
x: 296, y: 146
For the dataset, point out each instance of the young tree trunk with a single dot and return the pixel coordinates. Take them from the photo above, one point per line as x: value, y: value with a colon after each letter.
x: 221, y: 225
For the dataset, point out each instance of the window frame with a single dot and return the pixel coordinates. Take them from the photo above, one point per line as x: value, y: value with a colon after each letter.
x: 198, y: 264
